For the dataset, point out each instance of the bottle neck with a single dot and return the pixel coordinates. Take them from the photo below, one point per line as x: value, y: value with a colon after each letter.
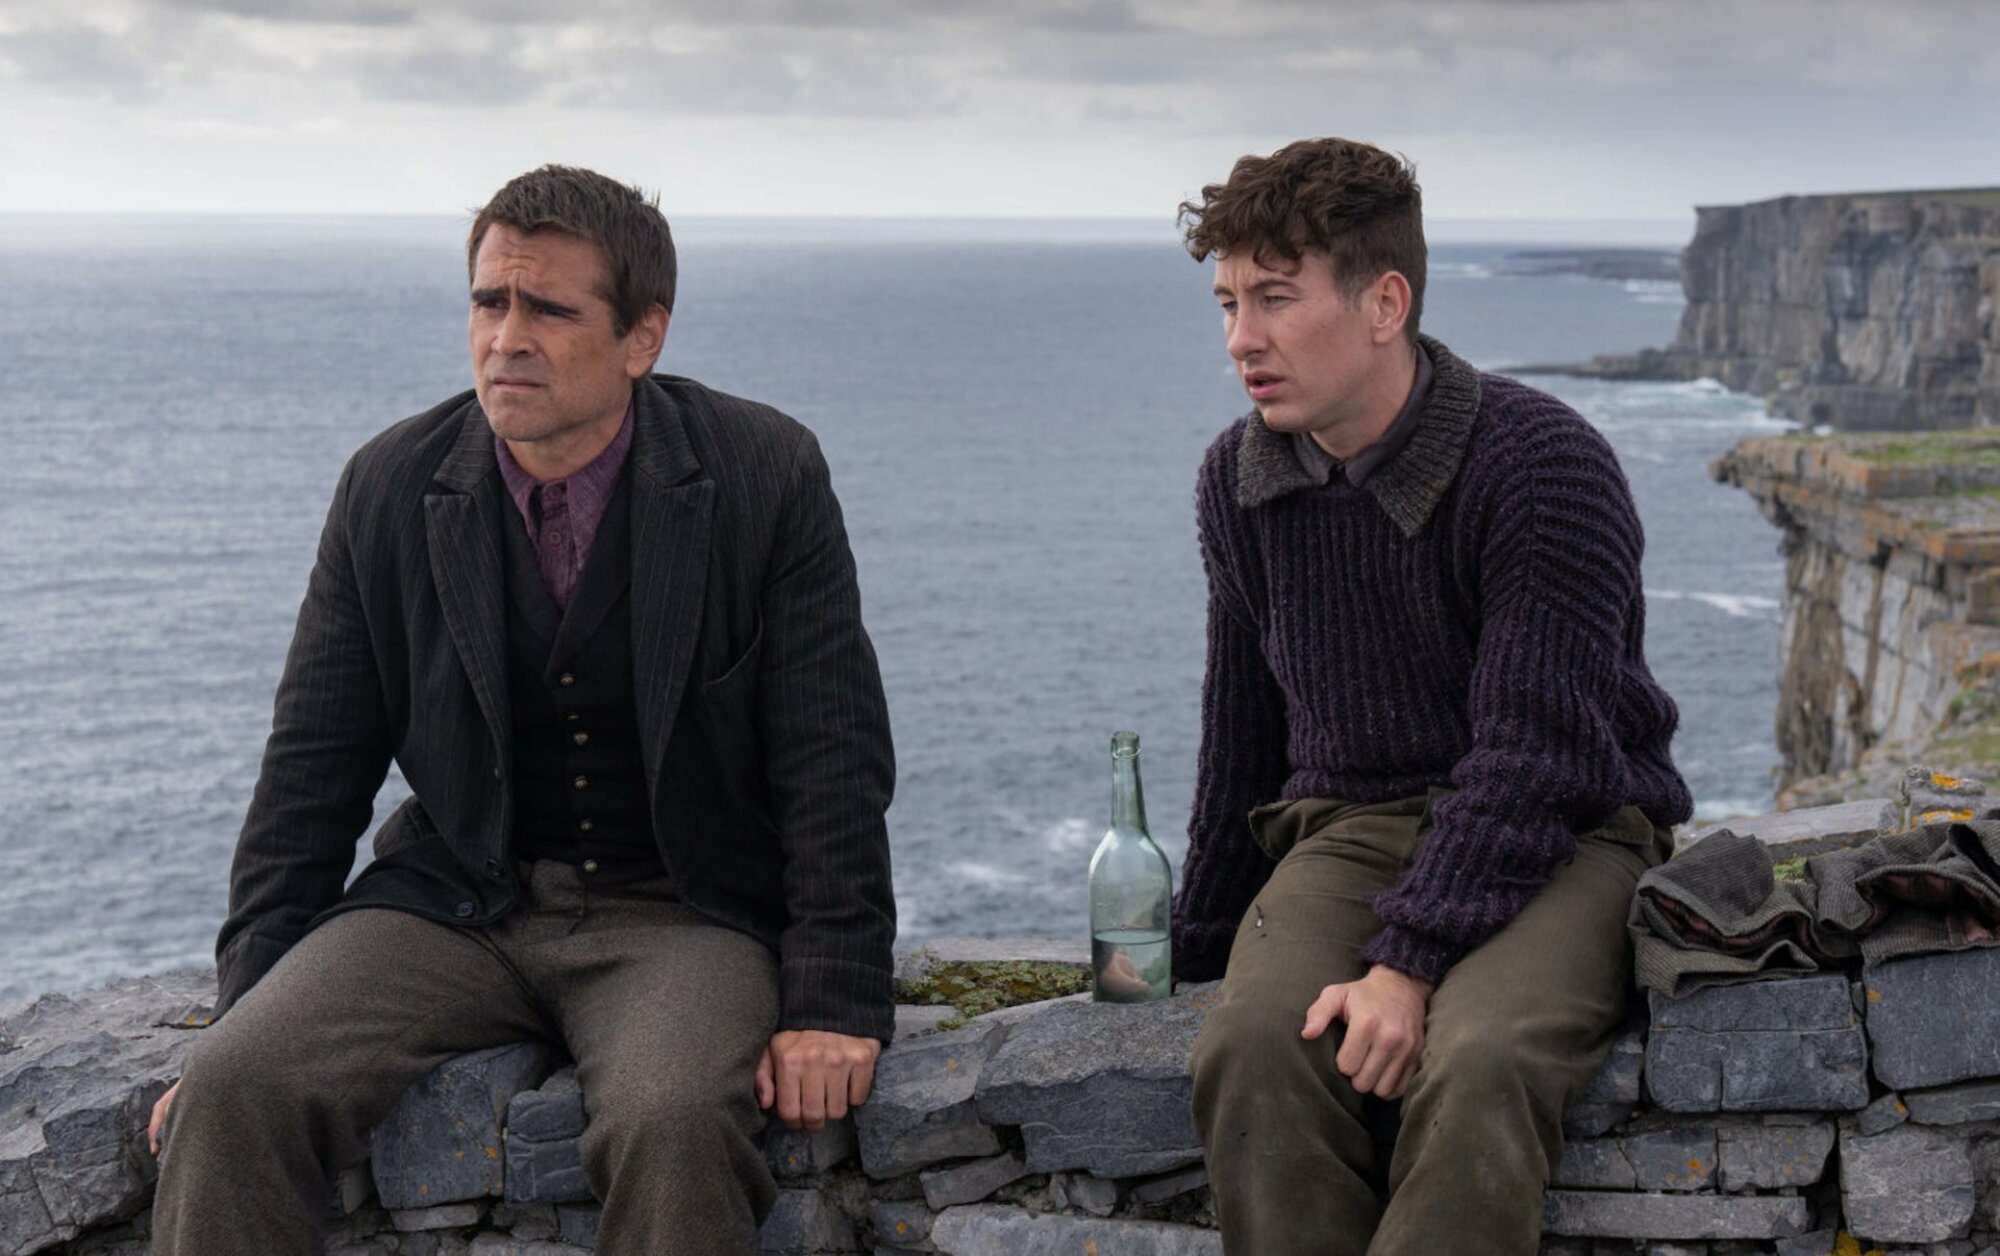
x: 1128, y: 803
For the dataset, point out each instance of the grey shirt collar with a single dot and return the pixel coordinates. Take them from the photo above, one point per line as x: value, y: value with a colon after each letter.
x: 1410, y: 480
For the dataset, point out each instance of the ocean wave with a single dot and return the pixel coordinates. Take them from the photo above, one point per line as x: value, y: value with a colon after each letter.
x: 984, y: 875
x: 1460, y: 270
x: 1734, y: 605
x: 1070, y: 835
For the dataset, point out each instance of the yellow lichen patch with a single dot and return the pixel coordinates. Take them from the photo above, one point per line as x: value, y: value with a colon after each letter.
x: 1901, y: 1107
x: 458, y: 1153
x: 902, y: 1228
x: 1874, y: 995
x: 492, y: 1153
x: 1945, y: 815
x: 1694, y: 1166
x: 423, y: 1188
x: 1090, y: 1247
x: 1940, y: 781
x: 1847, y: 1245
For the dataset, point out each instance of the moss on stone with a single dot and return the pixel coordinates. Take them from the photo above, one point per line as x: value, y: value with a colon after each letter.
x: 1789, y: 869
x: 976, y: 988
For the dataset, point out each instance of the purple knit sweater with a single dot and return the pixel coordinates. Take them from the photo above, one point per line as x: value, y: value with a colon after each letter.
x: 1472, y: 618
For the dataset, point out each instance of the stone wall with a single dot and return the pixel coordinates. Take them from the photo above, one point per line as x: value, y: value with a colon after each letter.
x: 1777, y: 1118
x: 1866, y: 312
x: 1892, y: 588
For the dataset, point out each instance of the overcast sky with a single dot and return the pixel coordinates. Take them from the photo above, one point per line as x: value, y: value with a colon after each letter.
x: 1522, y: 109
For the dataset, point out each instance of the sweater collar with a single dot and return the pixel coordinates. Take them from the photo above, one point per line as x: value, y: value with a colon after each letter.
x: 1409, y: 486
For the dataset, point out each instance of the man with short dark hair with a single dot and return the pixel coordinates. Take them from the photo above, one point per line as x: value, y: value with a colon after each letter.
x: 1433, y: 760
x: 607, y: 624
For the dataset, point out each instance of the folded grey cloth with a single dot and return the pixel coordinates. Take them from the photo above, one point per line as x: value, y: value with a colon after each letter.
x: 1715, y: 913
x: 1935, y: 888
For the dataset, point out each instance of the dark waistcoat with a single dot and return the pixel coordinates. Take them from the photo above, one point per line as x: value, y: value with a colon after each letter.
x: 579, y: 779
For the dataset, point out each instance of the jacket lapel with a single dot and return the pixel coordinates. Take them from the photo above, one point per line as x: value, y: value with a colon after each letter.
x: 672, y: 504
x: 463, y: 530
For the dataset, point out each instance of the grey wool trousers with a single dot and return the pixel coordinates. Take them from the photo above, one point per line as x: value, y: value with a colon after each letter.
x: 1514, y: 1031
x: 665, y: 1012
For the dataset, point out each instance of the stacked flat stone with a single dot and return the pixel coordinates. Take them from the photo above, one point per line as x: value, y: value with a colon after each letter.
x: 1780, y: 1118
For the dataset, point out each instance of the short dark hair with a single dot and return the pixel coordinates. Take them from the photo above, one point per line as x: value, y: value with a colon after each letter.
x: 624, y: 223
x: 1357, y: 203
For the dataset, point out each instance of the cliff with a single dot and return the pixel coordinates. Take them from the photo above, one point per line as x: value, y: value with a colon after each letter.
x: 1891, y: 630
x: 1863, y: 312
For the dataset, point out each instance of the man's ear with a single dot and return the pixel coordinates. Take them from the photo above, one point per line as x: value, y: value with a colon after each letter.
x: 644, y: 342
x: 1388, y: 303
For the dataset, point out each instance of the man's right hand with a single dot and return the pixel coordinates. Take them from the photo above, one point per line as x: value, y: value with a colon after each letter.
x: 153, y: 1127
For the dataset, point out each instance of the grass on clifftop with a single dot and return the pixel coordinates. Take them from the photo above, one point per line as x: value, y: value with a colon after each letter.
x: 1926, y: 449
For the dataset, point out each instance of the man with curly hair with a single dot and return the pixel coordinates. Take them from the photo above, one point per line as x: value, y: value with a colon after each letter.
x: 1434, y: 762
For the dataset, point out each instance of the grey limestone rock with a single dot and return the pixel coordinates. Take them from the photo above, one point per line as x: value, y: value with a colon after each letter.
x: 1935, y: 1019
x: 995, y: 1230
x: 507, y: 1245
x: 1912, y: 1184
x: 795, y: 1154
x: 1810, y: 830
x: 442, y: 1142
x: 1758, y: 1071
x: 550, y: 1111
x: 441, y: 1217
x: 1603, y: 1214
x: 1818, y: 1243
x: 1934, y: 797
x: 921, y: 1109
x: 1794, y: 1004
x: 972, y: 1181
x: 1767, y: 1155
x: 1955, y: 1105
x: 1168, y: 1186
x: 1593, y: 1164
x: 1677, y: 1157
x: 524, y: 1221
x: 1614, y: 1093
x: 1765, y: 1046
x: 1095, y: 1195
x: 577, y: 1223
x: 78, y: 1078
x: 913, y: 1020
x: 1885, y: 1113
x: 1101, y: 1086
x: 545, y: 1173
x: 803, y: 1222
x: 902, y: 1223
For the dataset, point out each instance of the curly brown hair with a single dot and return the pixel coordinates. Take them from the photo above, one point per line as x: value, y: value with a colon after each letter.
x: 624, y: 223
x: 1359, y: 205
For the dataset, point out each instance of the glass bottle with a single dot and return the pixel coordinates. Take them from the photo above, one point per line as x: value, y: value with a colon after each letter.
x: 1131, y: 894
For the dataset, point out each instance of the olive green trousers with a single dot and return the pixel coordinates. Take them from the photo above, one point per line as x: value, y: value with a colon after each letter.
x: 665, y: 1012
x: 1515, y: 1031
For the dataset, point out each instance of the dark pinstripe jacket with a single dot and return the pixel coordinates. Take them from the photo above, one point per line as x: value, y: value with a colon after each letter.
x: 761, y: 716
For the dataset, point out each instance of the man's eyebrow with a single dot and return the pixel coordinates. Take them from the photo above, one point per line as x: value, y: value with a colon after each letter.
x: 1256, y: 285
x: 538, y: 302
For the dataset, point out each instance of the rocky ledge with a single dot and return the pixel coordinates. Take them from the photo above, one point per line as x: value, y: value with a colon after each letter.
x: 1788, y: 1117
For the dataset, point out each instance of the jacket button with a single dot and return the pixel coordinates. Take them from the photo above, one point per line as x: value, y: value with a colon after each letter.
x: 585, y: 826
x: 496, y: 774
x: 590, y: 865
x: 464, y: 910
x: 567, y: 680
x: 581, y: 739
x: 581, y: 782
x: 493, y: 869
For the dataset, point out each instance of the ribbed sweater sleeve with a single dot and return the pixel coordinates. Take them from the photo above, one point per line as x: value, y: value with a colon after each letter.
x: 1557, y: 546
x: 1242, y: 760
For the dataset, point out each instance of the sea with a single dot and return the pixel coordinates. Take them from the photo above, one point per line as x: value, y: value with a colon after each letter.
x: 1013, y: 413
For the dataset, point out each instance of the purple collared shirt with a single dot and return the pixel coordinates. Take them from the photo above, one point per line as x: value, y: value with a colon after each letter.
x: 563, y: 515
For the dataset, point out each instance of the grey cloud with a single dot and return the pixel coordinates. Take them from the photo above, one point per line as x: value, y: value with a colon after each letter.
x: 335, y: 12
x: 450, y: 76
x: 78, y: 57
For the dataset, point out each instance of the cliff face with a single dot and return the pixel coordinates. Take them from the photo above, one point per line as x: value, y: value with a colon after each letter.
x: 1891, y: 635
x: 1865, y: 312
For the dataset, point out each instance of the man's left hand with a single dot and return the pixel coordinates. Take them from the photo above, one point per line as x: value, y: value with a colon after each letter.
x: 815, y: 1076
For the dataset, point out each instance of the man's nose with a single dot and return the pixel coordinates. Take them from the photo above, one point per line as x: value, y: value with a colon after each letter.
x: 512, y: 335
x: 1245, y: 336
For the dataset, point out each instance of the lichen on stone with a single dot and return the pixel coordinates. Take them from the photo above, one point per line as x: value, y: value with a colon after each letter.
x: 976, y: 988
